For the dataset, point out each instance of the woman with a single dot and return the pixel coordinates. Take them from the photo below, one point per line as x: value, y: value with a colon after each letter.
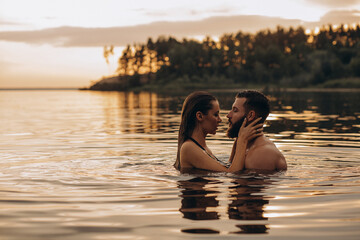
x: 200, y: 116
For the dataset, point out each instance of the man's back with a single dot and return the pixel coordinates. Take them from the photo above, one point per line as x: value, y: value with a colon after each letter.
x: 264, y: 155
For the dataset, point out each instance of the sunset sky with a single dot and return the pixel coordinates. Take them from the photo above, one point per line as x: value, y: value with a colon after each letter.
x: 59, y: 43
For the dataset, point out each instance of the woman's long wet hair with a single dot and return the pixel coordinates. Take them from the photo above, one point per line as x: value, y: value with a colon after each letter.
x: 196, y: 101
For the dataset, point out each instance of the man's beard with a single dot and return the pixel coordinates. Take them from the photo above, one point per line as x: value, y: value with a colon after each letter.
x: 233, y: 130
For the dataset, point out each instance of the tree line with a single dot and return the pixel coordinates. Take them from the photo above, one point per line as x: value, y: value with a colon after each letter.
x: 282, y: 57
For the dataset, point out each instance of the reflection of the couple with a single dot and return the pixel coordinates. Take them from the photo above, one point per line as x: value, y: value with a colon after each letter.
x: 248, y: 203
x: 199, y: 202
x: 196, y: 199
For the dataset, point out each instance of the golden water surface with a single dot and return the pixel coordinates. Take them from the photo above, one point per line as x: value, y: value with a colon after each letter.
x: 98, y: 165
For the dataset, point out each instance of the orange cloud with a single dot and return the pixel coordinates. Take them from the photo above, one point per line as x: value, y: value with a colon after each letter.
x: 121, y: 36
x: 335, y: 3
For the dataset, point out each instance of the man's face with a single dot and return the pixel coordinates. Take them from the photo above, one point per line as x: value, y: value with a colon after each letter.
x: 236, y: 117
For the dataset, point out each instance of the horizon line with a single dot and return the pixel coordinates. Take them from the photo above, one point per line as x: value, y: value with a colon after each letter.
x: 38, y: 88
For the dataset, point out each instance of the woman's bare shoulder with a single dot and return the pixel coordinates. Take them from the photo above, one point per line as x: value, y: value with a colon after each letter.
x: 187, y: 153
x: 187, y: 145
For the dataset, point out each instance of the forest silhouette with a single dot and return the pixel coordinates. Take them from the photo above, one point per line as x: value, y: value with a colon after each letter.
x: 325, y: 57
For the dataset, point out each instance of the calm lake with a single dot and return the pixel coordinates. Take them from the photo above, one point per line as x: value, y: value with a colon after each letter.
x: 98, y: 165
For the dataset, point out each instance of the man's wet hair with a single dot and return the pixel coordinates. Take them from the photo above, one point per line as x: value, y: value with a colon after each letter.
x: 256, y: 101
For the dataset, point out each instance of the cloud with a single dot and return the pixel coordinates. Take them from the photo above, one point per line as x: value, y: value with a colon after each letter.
x: 335, y: 3
x: 336, y: 18
x: 186, y: 12
x: 5, y: 23
x: 222, y: 10
x: 156, y: 13
x: 121, y: 36
x: 341, y: 17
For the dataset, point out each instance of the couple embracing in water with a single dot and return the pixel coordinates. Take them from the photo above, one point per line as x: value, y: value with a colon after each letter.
x: 200, y: 116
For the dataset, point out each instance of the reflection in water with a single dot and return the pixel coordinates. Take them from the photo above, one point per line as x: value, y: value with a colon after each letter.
x: 293, y: 116
x: 85, y: 165
x: 197, y: 199
x: 319, y: 112
x: 200, y: 202
x: 248, y: 203
x: 308, y: 112
x: 139, y: 113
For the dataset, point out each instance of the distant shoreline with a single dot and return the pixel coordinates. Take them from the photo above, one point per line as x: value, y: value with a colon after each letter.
x: 230, y: 90
x: 295, y: 90
x: 36, y: 89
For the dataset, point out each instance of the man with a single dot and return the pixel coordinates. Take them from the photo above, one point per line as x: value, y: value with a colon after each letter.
x: 262, y: 154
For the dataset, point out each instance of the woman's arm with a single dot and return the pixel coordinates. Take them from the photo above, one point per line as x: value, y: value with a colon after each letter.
x: 191, y: 156
x: 233, y: 151
x: 239, y: 148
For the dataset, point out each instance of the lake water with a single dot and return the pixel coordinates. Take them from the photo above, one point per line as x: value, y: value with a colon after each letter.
x: 98, y: 165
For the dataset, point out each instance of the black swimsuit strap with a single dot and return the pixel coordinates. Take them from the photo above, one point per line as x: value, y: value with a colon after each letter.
x: 197, y: 143
x: 203, y: 148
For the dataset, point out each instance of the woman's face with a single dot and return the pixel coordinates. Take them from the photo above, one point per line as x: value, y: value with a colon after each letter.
x: 212, y: 119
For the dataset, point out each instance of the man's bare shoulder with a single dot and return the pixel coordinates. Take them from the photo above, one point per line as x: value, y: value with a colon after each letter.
x: 265, y: 156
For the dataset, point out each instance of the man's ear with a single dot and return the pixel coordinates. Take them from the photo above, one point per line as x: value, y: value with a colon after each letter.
x: 199, y: 116
x: 251, y: 116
